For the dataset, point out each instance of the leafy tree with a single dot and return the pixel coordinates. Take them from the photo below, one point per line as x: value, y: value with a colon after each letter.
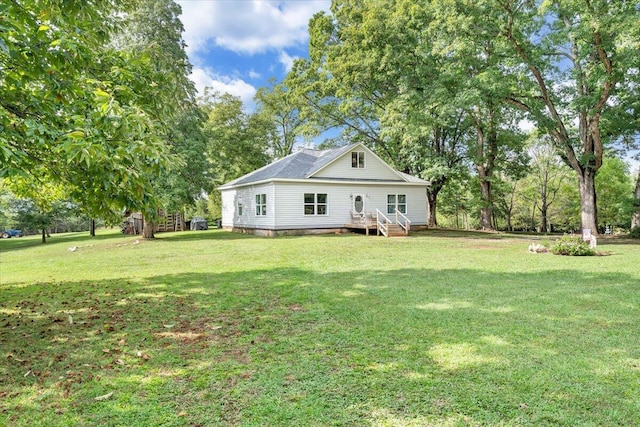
x: 615, y: 194
x: 363, y: 78
x: 237, y: 142
x: 7, y: 216
x: 564, y: 214
x: 469, y: 51
x: 153, y: 29
x: 578, y: 61
x: 546, y: 176
x: 389, y: 73
x: 440, y: 157
x: 38, y: 200
x: 75, y: 112
x: 278, y: 105
x: 457, y: 202
x: 635, y: 220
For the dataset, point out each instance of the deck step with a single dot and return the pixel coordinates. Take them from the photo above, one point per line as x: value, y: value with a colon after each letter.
x: 394, y: 230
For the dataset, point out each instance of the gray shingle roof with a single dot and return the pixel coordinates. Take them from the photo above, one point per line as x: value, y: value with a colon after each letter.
x: 298, y: 165
x: 301, y: 165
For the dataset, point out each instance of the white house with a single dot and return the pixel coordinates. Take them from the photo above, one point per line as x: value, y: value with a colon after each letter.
x: 324, y: 191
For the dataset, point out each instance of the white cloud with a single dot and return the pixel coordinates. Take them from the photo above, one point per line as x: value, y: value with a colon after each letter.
x: 526, y: 125
x: 224, y: 84
x: 253, y: 74
x: 286, y: 60
x: 247, y: 27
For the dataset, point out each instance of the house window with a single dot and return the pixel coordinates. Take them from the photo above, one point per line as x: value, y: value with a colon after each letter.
x: 240, y: 211
x: 396, y: 201
x: 315, y: 203
x: 261, y: 204
x: 357, y: 159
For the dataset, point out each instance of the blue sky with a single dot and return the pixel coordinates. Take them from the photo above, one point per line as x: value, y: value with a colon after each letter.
x: 235, y: 46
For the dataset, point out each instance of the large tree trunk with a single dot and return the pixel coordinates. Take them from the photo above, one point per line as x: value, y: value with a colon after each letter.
x: 486, y: 150
x: 432, y: 198
x: 433, y: 204
x: 44, y: 235
x: 544, y: 222
x: 544, y: 209
x: 588, y: 212
x: 92, y: 228
x: 486, y: 212
x: 589, y: 157
x: 147, y: 228
x: 635, y: 220
x: 509, y: 212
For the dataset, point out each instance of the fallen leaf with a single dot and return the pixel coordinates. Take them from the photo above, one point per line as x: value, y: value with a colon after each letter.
x: 70, y: 320
x: 11, y: 356
x: 169, y: 326
x: 182, y: 414
x: 119, y: 362
x: 104, y: 397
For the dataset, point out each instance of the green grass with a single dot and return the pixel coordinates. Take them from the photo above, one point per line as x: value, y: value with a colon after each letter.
x: 216, y: 329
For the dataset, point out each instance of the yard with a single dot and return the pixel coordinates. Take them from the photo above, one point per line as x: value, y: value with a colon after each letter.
x: 220, y: 329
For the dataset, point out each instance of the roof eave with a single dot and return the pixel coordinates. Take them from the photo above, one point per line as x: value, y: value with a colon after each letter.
x: 323, y: 181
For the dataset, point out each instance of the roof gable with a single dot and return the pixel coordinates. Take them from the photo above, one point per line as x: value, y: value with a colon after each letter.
x: 374, y: 167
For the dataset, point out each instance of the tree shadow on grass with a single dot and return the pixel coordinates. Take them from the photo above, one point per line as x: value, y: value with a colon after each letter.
x: 296, y: 347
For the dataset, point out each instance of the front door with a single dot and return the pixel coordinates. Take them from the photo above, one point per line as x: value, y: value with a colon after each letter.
x: 358, y: 203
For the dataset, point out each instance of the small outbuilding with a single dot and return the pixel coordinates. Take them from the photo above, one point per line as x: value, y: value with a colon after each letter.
x: 198, y: 223
x: 316, y: 191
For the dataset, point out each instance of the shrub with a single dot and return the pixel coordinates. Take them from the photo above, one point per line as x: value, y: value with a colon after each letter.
x: 635, y: 232
x: 573, y: 246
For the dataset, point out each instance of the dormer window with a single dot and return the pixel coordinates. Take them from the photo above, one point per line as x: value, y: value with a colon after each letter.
x: 357, y: 159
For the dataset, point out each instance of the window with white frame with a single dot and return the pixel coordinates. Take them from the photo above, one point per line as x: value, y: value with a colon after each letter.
x: 261, y: 204
x: 240, y: 209
x: 396, y: 201
x: 315, y: 203
x: 357, y: 159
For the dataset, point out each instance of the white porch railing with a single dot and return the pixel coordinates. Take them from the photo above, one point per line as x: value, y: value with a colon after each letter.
x: 405, y: 223
x: 382, y: 223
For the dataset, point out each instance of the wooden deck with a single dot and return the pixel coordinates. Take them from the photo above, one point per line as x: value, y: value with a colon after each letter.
x: 362, y: 226
x: 387, y: 227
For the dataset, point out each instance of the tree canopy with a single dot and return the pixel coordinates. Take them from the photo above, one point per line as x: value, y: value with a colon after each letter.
x: 88, y: 93
x: 398, y: 74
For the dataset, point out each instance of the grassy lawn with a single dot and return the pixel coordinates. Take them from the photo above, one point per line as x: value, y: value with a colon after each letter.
x: 215, y: 329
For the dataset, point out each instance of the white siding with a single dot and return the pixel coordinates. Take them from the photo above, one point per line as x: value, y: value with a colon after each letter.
x: 374, y: 168
x: 290, y: 203
x: 228, y: 207
x: 290, y: 209
x: 247, y: 196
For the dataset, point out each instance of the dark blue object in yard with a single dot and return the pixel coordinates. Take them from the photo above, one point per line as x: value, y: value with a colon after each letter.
x: 7, y: 234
